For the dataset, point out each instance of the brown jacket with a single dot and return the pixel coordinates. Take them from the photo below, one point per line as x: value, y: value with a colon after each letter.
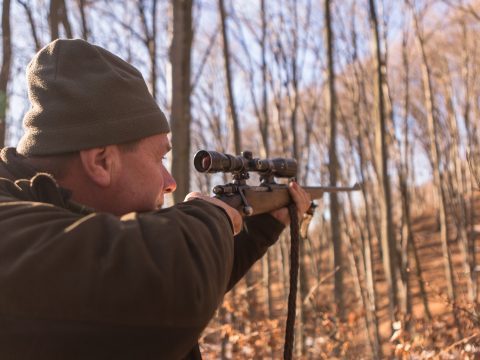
x: 75, y: 283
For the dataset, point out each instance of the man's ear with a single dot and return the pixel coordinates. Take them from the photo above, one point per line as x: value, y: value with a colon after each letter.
x: 98, y: 164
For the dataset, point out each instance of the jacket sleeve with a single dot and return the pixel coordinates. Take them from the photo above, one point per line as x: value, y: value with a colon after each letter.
x: 259, y: 233
x: 163, y: 270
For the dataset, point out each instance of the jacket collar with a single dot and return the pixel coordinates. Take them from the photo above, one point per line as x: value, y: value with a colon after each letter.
x: 41, y: 187
x: 13, y: 166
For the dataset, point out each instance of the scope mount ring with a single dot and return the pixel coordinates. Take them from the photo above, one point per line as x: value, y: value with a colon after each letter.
x: 240, y: 177
x: 267, y: 178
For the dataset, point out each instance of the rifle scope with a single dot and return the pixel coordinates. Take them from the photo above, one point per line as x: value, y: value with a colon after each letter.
x: 212, y: 161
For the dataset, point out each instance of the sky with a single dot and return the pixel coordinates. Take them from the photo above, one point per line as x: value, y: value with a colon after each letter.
x: 114, y: 37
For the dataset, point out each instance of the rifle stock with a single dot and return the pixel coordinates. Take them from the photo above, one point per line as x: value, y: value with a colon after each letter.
x: 263, y: 199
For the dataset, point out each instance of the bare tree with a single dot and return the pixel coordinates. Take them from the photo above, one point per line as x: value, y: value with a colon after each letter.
x: 434, y: 157
x: 53, y: 19
x: 233, y: 117
x: 31, y: 21
x: 83, y: 17
x: 58, y: 15
x: 6, y: 68
x: 468, y: 78
x: 387, y: 236
x: 357, y: 140
x: 150, y: 40
x: 333, y: 164
x: 180, y: 58
x: 454, y: 175
x: 408, y: 246
x: 265, y: 122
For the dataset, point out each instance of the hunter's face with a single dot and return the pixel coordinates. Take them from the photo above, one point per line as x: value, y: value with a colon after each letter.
x: 144, y: 177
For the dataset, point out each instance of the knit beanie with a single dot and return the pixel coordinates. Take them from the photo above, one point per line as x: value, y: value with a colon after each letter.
x: 82, y: 96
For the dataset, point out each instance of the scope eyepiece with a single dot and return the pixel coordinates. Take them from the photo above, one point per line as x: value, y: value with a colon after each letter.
x: 212, y: 161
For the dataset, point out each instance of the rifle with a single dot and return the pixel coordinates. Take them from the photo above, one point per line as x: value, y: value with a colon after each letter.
x: 269, y: 195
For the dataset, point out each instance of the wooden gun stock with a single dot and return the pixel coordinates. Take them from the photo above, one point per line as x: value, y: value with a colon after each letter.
x: 261, y: 199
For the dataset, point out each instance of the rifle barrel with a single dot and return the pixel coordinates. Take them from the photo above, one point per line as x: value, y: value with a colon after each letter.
x: 316, y: 192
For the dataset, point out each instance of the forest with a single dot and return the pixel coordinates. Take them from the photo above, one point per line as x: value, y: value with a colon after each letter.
x: 385, y: 93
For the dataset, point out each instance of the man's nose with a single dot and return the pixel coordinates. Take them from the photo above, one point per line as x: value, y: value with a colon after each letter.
x: 169, y: 185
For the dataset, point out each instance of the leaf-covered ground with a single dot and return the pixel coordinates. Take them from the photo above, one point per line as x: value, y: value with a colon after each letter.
x: 237, y: 332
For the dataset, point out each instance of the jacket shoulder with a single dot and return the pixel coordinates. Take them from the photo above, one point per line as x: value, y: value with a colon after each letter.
x: 9, y: 191
x: 40, y: 188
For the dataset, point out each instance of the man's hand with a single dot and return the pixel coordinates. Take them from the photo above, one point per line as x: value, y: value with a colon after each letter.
x: 234, y: 215
x: 301, y: 198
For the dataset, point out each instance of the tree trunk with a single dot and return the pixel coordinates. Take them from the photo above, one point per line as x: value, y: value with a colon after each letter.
x: 387, y: 239
x: 472, y: 146
x: 233, y: 118
x: 150, y: 41
x: 294, y: 97
x: 419, y: 274
x: 367, y: 243
x: 267, y: 265
x: 264, y: 124
x: 31, y: 22
x: 53, y: 19
x: 456, y: 185
x: 6, y: 68
x: 83, y: 17
x: 152, y: 50
x: 434, y: 157
x: 357, y: 264
x: 58, y: 14
x: 180, y: 58
x: 333, y: 166
x: 64, y: 19
x: 409, y: 249
x: 402, y: 169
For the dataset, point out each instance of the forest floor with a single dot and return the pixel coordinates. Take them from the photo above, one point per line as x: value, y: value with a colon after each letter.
x: 237, y: 333
x: 436, y: 335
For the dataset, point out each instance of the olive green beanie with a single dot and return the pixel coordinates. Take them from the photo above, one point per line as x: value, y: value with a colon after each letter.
x: 82, y: 96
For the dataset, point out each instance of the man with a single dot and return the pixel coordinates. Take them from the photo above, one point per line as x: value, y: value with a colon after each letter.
x: 90, y: 265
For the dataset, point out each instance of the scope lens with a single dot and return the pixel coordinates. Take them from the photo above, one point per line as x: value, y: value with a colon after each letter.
x: 202, y: 161
x: 213, y: 161
x: 206, y: 162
